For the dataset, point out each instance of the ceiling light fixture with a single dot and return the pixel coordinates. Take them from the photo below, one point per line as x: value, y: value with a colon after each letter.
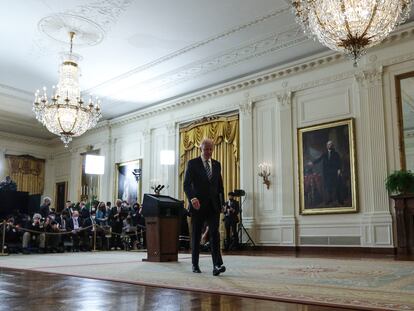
x: 350, y: 26
x: 65, y: 113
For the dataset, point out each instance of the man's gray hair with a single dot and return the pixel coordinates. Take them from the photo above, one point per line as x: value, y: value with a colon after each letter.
x: 47, y: 199
x: 37, y: 216
x: 206, y: 141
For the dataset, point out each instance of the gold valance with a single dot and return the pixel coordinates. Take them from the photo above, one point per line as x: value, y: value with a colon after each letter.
x: 28, y: 172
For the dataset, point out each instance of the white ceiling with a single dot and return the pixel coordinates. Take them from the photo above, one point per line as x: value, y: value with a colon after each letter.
x: 146, y: 52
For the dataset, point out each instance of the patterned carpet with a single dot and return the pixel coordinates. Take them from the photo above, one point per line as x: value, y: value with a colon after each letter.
x: 370, y: 284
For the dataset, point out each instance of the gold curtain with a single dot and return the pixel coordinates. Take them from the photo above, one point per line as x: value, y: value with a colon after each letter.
x: 224, y: 131
x: 27, y: 172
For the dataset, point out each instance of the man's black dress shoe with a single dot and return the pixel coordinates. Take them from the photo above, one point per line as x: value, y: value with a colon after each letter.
x: 218, y: 269
x: 196, y: 269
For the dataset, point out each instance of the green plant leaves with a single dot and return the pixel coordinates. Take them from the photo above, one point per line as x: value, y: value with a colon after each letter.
x: 400, y: 182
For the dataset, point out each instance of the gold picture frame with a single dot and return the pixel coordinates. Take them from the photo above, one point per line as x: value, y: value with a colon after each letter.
x: 127, y: 187
x: 327, y: 174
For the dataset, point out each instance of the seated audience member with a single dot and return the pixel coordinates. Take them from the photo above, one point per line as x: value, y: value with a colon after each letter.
x: 108, y: 207
x: 88, y: 225
x: 8, y: 184
x: 74, y: 225
x: 62, y: 221
x: 12, y: 236
x: 126, y: 207
x: 64, y: 217
x: 53, y: 240
x: 37, y: 237
x: 101, y: 214
x: 129, y: 232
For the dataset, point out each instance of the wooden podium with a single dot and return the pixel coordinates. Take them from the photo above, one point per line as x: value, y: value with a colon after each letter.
x: 404, y: 214
x: 162, y: 217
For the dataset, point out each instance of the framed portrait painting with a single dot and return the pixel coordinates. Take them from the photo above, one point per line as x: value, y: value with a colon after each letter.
x: 327, y: 176
x: 128, y: 186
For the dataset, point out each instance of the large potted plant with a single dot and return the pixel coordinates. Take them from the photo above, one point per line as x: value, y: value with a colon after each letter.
x: 400, y: 183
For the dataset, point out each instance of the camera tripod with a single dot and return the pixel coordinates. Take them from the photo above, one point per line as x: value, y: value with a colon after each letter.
x: 241, y: 227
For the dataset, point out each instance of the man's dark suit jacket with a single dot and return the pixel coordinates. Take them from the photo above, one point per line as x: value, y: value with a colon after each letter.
x: 197, y: 185
x: 70, y: 225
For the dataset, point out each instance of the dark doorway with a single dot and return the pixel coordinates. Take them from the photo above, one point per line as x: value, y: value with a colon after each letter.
x: 61, y: 195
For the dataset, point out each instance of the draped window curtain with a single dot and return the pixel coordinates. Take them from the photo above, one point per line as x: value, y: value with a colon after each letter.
x: 27, y: 172
x: 224, y: 131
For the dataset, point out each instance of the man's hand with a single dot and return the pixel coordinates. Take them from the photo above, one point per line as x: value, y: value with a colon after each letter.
x: 195, y: 203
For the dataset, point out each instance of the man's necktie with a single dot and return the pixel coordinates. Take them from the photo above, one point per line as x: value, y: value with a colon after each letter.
x: 208, y: 170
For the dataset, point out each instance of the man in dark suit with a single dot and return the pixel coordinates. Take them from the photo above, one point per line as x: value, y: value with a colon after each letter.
x: 44, y: 209
x: 203, y: 186
x: 332, y: 173
x: 74, y: 224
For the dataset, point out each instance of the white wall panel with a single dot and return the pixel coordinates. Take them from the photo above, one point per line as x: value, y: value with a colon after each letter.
x: 324, y: 103
x: 264, y: 129
x: 128, y: 149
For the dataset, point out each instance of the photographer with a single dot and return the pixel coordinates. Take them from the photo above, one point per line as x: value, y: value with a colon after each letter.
x: 231, y: 218
x: 53, y: 241
x: 36, y: 235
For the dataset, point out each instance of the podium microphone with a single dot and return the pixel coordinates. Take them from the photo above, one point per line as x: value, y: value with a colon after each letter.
x: 162, y: 187
x: 157, y: 189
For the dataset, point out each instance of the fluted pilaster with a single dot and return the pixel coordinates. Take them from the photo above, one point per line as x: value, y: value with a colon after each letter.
x: 246, y: 155
x: 284, y: 155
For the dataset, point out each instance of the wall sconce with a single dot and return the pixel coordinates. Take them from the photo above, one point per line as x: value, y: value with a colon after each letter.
x: 137, y: 172
x: 264, y: 171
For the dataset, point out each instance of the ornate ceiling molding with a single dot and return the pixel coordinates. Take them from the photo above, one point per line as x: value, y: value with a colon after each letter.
x: 235, y: 86
x: 288, y: 38
x: 57, y: 26
x: 191, y: 48
x: 15, y: 93
x: 89, y: 21
x: 105, y: 13
x: 26, y: 139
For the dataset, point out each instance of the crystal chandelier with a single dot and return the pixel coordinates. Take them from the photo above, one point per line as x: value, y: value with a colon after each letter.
x: 350, y: 26
x: 65, y: 113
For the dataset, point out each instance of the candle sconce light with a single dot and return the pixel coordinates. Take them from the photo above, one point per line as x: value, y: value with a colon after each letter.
x: 264, y: 172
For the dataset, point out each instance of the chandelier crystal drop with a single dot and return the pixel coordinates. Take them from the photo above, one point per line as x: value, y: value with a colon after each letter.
x: 350, y: 26
x: 64, y: 113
